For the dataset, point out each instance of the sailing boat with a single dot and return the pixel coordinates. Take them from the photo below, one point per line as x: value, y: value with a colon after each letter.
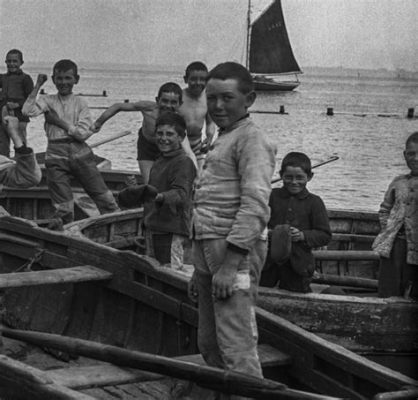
x: 269, y: 54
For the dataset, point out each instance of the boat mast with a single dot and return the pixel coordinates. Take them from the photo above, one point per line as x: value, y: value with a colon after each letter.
x: 247, y: 57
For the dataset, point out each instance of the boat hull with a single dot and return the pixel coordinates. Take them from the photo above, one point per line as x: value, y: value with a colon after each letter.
x: 268, y: 85
x: 145, y: 307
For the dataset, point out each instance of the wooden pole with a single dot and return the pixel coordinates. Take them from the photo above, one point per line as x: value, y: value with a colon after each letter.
x: 330, y: 111
x: 213, y: 378
x: 110, y: 139
x: 410, y: 113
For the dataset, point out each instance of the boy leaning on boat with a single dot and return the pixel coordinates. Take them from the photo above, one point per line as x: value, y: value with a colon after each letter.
x: 230, y: 224
x: 67, y: 126
x: 397, y: 242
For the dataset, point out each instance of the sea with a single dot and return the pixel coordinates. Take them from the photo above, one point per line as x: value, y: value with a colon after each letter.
x: 367, y: 131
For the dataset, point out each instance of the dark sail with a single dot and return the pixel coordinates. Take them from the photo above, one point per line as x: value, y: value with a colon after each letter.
x: 270, y: 50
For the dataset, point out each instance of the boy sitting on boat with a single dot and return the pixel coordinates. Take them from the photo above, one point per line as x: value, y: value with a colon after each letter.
x: 194, y: 109
x: 24, y: 171
x: 67, y: 126
x: 168, y: 196
x: 397, y: 242
x: 299, y: 222
x: 169, y: 98
x: 229, y: 224
x: 15, y: 87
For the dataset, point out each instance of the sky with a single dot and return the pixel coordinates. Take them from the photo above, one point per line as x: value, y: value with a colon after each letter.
x: 370, y: 34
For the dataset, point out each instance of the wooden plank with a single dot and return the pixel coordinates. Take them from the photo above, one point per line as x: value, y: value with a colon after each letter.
x: 99, y: 375
x: 65, y: 275
x: 340, y: 280
x: 30, y: 383
x: 269, y: 357
x: 353, y: 237
x: 109, y: 375
x: 345, y: 255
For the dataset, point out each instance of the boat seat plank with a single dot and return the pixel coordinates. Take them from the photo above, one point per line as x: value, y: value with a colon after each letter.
x: 110, y: 375
x: 99, y: 375
x: 345, y: 255
x: 269, y: 357
x: 65, y: 275
x: 353, y: 237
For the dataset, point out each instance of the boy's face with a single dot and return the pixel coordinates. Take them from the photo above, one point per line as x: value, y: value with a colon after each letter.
x: 64, y: 81
x: 168, y: 101
x: 167, y: 138
x: 13, y: 62
x: 196, y: 82
x: 411, y: 157
x: 295, y: 179
x: 226, y: 104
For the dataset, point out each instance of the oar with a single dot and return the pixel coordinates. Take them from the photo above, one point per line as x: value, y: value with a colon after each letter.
x: 331, y: 159
x: 40, y: 157
x: 110, y: 139
x: 214, y: 378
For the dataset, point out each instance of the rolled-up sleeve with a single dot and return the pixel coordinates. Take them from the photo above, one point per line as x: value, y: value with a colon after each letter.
x: 84, y: 121
x: 34, y: 107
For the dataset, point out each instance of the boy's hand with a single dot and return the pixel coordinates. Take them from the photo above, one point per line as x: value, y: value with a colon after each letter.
x: 296, y: 235
x: 192, y: 289
x: 11, y: 105
x: 223, y: 280
x: 41, y: 79
x: 12, y: 123
x: 95, y: 127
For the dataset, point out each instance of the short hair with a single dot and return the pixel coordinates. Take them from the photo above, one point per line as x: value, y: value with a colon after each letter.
x: 173, y: 119
x: 65, y: 65
x: 296, y: 159
x: 195, y: 66
x: 233, y: 70
x: 413, y: 138
x: 171, y: 87
x: 16, y: 51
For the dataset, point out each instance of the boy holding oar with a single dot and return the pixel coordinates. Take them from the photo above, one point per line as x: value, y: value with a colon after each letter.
x: 169, y: 98
x: 230, y: 224
x: 67, y: 126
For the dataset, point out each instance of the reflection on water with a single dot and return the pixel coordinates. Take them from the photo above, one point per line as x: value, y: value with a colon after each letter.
x: 369, y: 148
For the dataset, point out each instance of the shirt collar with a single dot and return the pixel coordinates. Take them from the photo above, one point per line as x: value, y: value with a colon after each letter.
x: 237, y: 123
x: 173, y: 153
x: 283, y: 192
x: 18, y: 72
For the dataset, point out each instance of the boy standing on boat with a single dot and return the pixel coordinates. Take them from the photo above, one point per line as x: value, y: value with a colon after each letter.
x: 67, y: 126
x: 169, y: 98
x: 230, y: 224
x: 299, y: 222
x: 167, y: 214
x: 15, y: 87
x: 24, y: 171
x: 397, y: 242
x: 194, y: 109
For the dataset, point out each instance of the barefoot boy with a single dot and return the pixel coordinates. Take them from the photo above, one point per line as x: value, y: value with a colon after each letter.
x: 15, y: 87
x: 194, y: 109
x: 229, y: 223
x: 169, y: 98
x: 67, y: 123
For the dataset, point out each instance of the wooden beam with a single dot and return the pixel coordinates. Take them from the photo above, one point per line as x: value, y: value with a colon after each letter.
x: 17, y: 378
x: 99, y: 375
x: 344, y: 280
x: 345, y: 255
x: 66, y: 275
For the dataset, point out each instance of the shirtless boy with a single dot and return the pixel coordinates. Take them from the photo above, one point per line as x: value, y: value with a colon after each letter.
x: 194, y: 108
x: 169, y: 98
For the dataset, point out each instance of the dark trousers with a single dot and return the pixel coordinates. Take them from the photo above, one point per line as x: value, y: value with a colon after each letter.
x: 396, y: 275
x: 161, y: 244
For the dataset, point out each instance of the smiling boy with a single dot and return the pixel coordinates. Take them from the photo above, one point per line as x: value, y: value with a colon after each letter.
x: 15, y: 87
x: 169, y: 98
x: 167, y: 217
x: 300, y: 215
x: 229, y: 223
x: 67, y: 123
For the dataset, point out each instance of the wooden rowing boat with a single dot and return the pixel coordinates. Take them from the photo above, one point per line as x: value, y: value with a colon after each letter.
x: 82, y: 290
x: 356, y: 318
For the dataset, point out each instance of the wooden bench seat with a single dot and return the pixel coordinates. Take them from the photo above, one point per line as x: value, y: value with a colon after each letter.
x: 108, y: 374
x: 345, y: 255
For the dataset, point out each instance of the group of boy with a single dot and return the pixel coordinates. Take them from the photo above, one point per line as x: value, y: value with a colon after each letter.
x: 229, y: 215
